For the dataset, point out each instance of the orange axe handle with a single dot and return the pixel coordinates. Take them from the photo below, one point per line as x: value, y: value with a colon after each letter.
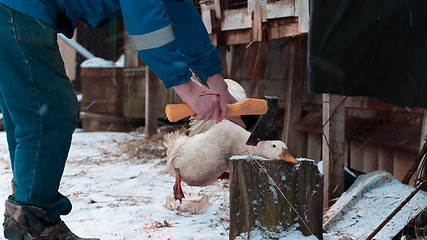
x: 247, y: 106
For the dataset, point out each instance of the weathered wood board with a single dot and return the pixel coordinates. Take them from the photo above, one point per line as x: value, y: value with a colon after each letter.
x: 258, y: 207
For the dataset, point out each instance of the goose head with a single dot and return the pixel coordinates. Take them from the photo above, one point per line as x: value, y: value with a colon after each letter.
x: 274, y: 150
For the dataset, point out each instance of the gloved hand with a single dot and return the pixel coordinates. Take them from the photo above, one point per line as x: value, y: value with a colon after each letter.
x: 209, y: 104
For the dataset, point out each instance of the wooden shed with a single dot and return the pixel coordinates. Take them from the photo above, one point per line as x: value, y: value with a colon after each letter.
x: 263, y: 46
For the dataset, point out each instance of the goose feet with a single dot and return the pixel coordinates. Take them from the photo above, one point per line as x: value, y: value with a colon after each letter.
x: 177, y: 190
x: 224, y: 175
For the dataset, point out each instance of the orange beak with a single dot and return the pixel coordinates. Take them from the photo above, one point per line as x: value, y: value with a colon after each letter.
x: 287, y: 157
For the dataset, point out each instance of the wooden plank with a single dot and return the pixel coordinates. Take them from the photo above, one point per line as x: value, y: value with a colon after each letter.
x: 302, y: 11
x: 346, y: 153
x: 238, y: 37
x: 131, y: 56
x: 102, y: 90
x: 134, y: 92
x: 236, y: 19
x: 264, y: 5
x: 423, y: 130
x: 333, y: 146
x: 205, y: 8
x: 368, y: 104
x: 356, y: 155
x: 69, y: 56
x: 370, y: 158
x: 258, y: 205
x: 279, y: 9
x: 282, y: 29
x: 302, y: 145
x: 257, y: 21
x: 385, y: 159
x: 293, y: 109
x: 275, y: 29
x: 151, y: 91
x: 373, y: 129
x: 134, y: 95
x: 314, y: 147
x: 220, y: 42
x: 402, y: 161
x: 95, y: 122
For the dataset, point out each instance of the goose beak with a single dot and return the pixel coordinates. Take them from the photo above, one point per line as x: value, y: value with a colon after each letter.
x: 287, y: 157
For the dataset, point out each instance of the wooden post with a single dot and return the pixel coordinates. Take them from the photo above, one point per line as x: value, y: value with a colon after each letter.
x: 293, y: 138
x: 333, y: 146
x: 257, y: 21
x: 258, y: 210
x: 356, y: 155
x: 385, y: 159
x: 302, y: 11
x: 314, y: 147
x: 370, y: 158
x: 131, y: 57
x: 402, y: 162
x: 220, y: 41
x: 151, y: 91
x: 423, y: 130
x: 422, y: 171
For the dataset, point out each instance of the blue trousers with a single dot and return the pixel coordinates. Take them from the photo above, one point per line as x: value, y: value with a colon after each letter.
x: 39, y: 107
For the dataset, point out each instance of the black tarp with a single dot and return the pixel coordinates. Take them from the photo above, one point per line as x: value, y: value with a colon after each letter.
x: 369, y: 48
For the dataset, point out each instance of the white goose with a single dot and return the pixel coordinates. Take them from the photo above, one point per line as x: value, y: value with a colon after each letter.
x: 200, y: 154
x: 200, y: 159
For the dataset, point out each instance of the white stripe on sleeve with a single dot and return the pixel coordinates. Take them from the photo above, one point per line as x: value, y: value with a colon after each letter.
x: 154, y: 39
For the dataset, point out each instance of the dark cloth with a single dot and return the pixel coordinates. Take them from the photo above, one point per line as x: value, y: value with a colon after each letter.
x: 369, y: 48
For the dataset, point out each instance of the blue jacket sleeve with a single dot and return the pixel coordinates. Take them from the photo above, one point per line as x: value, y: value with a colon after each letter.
x: 192, y: 38
x: 151, y: 32
x: 171, y: 38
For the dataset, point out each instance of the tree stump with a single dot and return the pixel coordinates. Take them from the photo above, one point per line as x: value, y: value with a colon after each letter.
x: 258, y: 208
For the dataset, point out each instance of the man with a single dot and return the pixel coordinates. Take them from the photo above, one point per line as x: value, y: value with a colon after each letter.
x: 39, y: 105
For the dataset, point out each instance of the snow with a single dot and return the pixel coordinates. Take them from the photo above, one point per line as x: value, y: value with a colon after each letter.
x: 368, y: 202
x: 118, y: 186
x: 97, y: 62
x: 292, y: 234
x: 320, y: 168
x: 79, y: 48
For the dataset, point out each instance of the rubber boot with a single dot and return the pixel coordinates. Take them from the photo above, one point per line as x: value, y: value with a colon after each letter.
x: 24, y: 222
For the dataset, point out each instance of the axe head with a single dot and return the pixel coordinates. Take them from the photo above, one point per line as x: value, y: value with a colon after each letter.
x: 265, y: 127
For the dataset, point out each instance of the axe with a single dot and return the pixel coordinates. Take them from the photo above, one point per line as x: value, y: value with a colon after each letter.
x: 247, y: 106
x: 265, y: 128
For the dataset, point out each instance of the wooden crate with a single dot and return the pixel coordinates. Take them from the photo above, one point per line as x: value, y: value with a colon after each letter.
x: 134, y: 92
x: 95, y: 122
x: 102, y: 90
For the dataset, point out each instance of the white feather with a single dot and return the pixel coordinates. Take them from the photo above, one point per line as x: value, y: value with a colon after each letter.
x: 203, y: 157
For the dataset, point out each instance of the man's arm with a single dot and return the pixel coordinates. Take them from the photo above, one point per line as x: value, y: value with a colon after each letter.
x: 159, y: 45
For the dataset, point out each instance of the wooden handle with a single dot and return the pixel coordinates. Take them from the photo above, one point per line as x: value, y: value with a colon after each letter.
x: 176, y: 112
x: 247, y: 106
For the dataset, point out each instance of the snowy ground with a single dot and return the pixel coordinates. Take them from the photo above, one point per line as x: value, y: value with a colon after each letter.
x: 117, y: 184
